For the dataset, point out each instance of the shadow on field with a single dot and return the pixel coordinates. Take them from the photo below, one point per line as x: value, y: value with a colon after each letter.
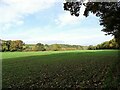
x: 63, y: 70
x: 54, y: 55
x: 62, y: 53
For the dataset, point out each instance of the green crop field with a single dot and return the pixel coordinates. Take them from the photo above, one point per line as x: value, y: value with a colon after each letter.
x: 60, y: 69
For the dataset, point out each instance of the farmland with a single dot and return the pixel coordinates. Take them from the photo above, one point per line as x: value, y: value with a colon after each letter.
x: 61, y: 69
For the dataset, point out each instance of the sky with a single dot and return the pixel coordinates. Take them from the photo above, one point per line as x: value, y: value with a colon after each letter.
x: 44, y: 21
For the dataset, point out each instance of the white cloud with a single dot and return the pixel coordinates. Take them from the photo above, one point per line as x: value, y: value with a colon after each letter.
x: 68, y: 38
x: 6, y: 26
x: 14, y: 11
x: 66, y: 19
x: 79, y: 36
x: 20, y: 22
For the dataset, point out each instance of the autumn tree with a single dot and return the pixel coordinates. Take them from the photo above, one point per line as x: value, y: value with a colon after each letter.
x: 5, y: 45
x: 16, y: 45
x: 8, y: 45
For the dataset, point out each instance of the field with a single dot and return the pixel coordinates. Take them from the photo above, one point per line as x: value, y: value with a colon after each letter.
x: 60, y: 69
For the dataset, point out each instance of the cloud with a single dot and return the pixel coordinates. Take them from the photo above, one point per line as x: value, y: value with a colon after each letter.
x: 14, y: 11
x: 80, y: 36
x: 66, y: 19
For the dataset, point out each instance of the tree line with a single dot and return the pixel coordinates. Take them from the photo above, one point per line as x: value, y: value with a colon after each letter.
x: 52, y: 47
x: 19, y: 45
x: 9, y: 45
x: 112, y: 44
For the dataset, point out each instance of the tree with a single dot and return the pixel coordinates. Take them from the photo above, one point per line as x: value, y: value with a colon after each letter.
x: 39, y: 47
x: 0, y: 45
x: 16, y: 45
x: 105, y: 45
x: 91, y: 47
x: 55, y: 47
x: 47, y: 47
x: 5, y: 45
x: 9, y: 45
x: 112, y: 44
x: 109, y: 13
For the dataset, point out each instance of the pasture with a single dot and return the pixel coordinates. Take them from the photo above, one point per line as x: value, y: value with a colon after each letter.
x: 61, y: 69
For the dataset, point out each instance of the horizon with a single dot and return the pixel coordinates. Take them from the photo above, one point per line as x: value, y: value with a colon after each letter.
x: 54, y: 43
x: 34, y: 21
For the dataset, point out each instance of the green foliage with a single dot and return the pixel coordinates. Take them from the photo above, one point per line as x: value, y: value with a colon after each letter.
x: 71, y: 47
x: 9, y: 45
x: 47, y: 47
x: 108, y: 12
x: 91, y: 47
x: 55, y: 47
x: 5, y: 45
x: 112, y: 44
x: 29, y: 47
x: 0, y: 45
x: 38, y: 47
x: 16, y: 45
x: 65, y: 69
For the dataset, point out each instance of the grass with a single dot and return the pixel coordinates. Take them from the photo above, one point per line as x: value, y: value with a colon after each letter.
x: 61, y: 69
